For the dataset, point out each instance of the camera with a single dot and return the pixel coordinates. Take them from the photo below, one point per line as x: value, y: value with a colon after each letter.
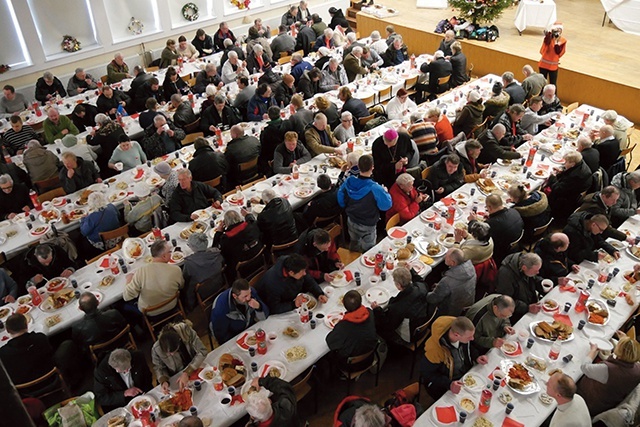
x: 556, y: 33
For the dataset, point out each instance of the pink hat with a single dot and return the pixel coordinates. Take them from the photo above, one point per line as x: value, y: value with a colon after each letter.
x: 390, y: 135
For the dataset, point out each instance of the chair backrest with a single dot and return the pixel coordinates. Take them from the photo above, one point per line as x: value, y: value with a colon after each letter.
x: 368, y: 101
x: 51, y: 376
x: 284, y: 59
x: 393, y: 221
x: 384, y: 94
x: 334, y: 231
x: 539, y: 231
x: 422, y: 332
x: 190, y: 137
x: 354, y: 360
x: 364, y: 120
x: 192, y: 127
x: 153, y: 321
x: 569, y: 108
x: 425, y: 172
x: 115, y: 236
x: 410, y: 82
x: 478, y: 128
x: 302, y: 387
x: 152, y: 69
x: 514, y: 245
x: 248, y: 171
x: 48, y: 184
x: 251, y: 267
x: 281, y: 248
x: 443, y: 80
x: 469, y: 70
x: 110, y: 251
x: 104, y: 79
x: 628, y: 150
x: 191, y: 82
x: 215, y: 182
x: 186, y: 77
x: 52, y: 194
x: 256, y: 279
x: 205, y: 295
x: 97, y: 349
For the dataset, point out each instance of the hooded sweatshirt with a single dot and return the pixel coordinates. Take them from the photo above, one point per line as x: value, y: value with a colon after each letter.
x: 455, y: 291
x: 355, y: 334
x: 41, y: 163
x: 469, y: 117
x: 470, y: 167
x: 362, y: 198
x: 627, y: 203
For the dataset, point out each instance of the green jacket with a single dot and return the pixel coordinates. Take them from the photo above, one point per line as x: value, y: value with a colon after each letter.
x: 488, y: 326
x: 53, y: 132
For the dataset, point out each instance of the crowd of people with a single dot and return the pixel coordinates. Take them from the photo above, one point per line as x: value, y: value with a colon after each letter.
x: 485, y: 286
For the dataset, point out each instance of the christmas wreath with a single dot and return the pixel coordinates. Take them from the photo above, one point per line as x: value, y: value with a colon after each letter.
x: 241, y: 4
x: 481, y: 11
x: 135, y: 26
x: 4, y: 68
x: 190, y: 12
x: 70, y: 44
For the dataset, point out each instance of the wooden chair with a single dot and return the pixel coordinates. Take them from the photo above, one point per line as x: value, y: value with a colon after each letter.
x: 393, y: 221
x: 190, y: 137
x: 352, y: 373
x: 384, y: 96
x: 442, y: 81
x: 191, y: 82
x: 98, y: 349
x: 569, y: 108
x: 186, y: 78
x: 514, y: 245
x: 51, y: 194
x: 110, y: 251
x: 425, y: 172
x: 420, y: 335
x: 362, y: 121
x: 104, y: 79
x: 301, y: 52
x: 48, y: 184
x: 538, y: 232
x: 252, y: 183
x: 192, y: 127
x: 470, y: 70
x: 152, y: 69
x: 331, y: 224
x: 410, y: 83
x: 205, y: 298
x: 53, y: 377
x: 248, y: 170
x: 215, y: 182
x: 628, y: 152
x: 284, y: 59
x: 115, y: 236
x: 301, y: 388
x: 256, y: 279
x: 153, y: 321
x: 369, y: 100
x: 249, y: 268
x: 477, y: 129
x: 281, y: 248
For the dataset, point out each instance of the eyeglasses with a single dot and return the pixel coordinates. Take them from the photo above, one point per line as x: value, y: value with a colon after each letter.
x: 600, y: 228
x: 347, y: 120
x: 7, y: 188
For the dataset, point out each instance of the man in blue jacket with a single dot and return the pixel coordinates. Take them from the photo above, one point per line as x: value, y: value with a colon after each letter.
x: 363, y: 199
x: 235, y: 310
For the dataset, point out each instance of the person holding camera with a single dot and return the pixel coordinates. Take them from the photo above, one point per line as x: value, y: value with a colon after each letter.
x: 553, y: 47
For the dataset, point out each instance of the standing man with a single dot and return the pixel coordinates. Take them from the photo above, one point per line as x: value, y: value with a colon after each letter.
x: 552, y: 49
x: 572, y: 410
x: 362, y: 199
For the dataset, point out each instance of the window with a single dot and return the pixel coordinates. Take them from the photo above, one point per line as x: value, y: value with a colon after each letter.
x: 13, y: 49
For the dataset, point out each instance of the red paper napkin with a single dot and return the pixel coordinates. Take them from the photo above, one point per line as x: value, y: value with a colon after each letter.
x: 194, y: 374
x: 446, y: 414
x: 562, y: 318
x: 241, y: 341
x: 567, y: 288
x: 348, y: 275
x: 504, y: 381
x: 510, y: 422
x: 447, y: 201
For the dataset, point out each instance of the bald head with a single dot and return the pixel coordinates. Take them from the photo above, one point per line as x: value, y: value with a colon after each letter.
x: 606, y: 131
x: 498, y: 131
x: 559, y: 242
x: 236, y: 131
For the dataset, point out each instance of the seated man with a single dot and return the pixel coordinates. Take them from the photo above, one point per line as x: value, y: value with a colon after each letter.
x: 235, y: 310
x: 48, y: 86
x: 271, y: 136
x: 77, y: 173
x: 446, y: 176
x: 56, y: 126
x: 319, y: 137
x: 8, y: 288
x: 48, y: 260
x: 572, y: 411
x: 202, y: 266
x: 12, y: 102
x: 585, y: 230
x: 121, y: 377
x: 439, y: 368
x: 155, y: 282
x: 457, y: 288
x: 491, y: 148
x: 355, y: 334
x: 282, y: 285
x: 274, y: 403
x: 27, y: 355
x: 405, y: 199
x: 607, y: 145
x: 218, y: 115
x: 97, y: 326
x: 469, y: 151
x: 556, y: 264
x: 316, y: 246
x: 260, y: 103
x: 514, y: 135
x: 191, y: 196
x: 15, y: 139
x: 518, y: 278
x: 491, y: 316
x: 325, y: 204
x: 14, y: 198
x: 289, y: 153
x: 276, y: 221
x: 241, y: 148
x: 532, y: 120
x: 206, y: 77
x: 506, y: 226
x: 602, y: 202
x: 424, y: 134
x: 80, y: 82
x: 405, y: 312
x: 110, y: 100
x: 161, y: 138
x: 183, y: 113
x: 550, y: 101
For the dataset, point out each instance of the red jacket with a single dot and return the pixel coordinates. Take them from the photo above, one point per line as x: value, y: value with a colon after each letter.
x: 403, y: 204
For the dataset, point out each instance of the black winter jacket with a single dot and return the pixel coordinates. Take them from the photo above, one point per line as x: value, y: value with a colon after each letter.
x: 276, y: 222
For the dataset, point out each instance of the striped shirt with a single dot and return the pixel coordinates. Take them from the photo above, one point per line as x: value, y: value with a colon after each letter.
x: 15, y: 141
x: 425, y: 136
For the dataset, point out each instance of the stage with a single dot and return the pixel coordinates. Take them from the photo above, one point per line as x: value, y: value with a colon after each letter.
x: 600, y: 67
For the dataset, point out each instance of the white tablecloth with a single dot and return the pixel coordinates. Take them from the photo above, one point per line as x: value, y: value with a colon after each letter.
x: 625, y: 14
x: 533, y: 13
x: 432, y: 4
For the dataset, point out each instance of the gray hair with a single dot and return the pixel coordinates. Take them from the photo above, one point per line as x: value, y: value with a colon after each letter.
x: 184, y: 171
x: 159, y: 118
x: 210, y: 66
x: 120, y: 359
x: 503, y: 302
x: 405, y: 179
x: 232, y: 218
x: 402, y: 277
x: 176, y: 97
x: 328, y: 32
x: 416, y: 117
x: 268, y: 195
x: 296, y: 57
x: 529, y: 259
x: 335, y: 60
x: 47, y: 75
x: 257, y: 48
x: 219, y: 99
x: 33, y: 143
x: 351, y: 37
x: 118, y: 55
x: 357, y: 49
x: 79, y: 70
x: 549, y: 86
x: 507, y: 76
x: 633, y: 177
x: 584, y: 142
x: 97, y: 200
x: 320, y: 118
x: 6, y: 179
x: 233, y: 54
x: 198, y: 242
x: 438, y: 54
x: 480, y: 230
x: 573, y: 157
x: 346, y: 116
x: 368, y: 416
x: 230, y: 43
x: 375, y: 35
x: 211, y: 90
x: 259, y: 405
x: 102, y: 119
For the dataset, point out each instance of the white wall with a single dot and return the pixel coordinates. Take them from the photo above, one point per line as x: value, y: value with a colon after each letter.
x: 94, y: 58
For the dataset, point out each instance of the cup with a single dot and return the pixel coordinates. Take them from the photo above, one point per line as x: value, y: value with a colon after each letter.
x: 225, y: 399
x: 463, y: 417
x: 554, y: 352
x: 252, y: 351
x: 254, y: 367
x: 273, y: 336
x: 496, y: 384
x: 523, y: 334
x: 530, y: 342
x: 509, y: 408
x: 194, y: 411
x: 312, y: 323
x: 581, y: 324
x: 232, y: 390
x: 547, y: 285
x: 198, y: 385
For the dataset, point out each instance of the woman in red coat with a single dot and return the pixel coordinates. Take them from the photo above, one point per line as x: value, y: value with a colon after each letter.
x: 406, y: 200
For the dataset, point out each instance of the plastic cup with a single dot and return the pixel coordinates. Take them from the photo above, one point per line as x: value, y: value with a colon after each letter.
x: 313, y: 323
x: 463, y: 417
x: 225, y: 399
x: 194, y: 411
x: 509, y: 408
x: 530, y: 342
x: 547, y: 285
x: 198, y: 385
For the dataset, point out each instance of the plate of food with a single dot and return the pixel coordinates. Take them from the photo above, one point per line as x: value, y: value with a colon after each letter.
x: 84, y: 197
x: 428, y: 216
x: 303, y: 192
x: 177, y: 257
x: 40, y: 230
x: 447, y: 239
x: 608, y: 292
x: 206, y: 374
x: 551, y: 332
x: 58, y: 202
x: 432, y: 249
x: 76, y: 214
x: 291, y: 332
x: 550, y: 306
x: 535, y: 362
x: 378, y: 294
x: 486, y: 186
x: 195, y: 227
x: 137, y: 173
x: 505, y: 397
x: 540, y: 174
x: 247, y: 339
x: 558, y: 158
x: 339, y: 279
x: 175, y: 403
x: 519, y: 378
x: 368, y: 260
x: 232, y: 370
x: 236, y: 199
x: 397, y: 233
x: 472, y: 382
x: 311, y: 301
x: 106, y: 281
x: 202, y: 214
x: 5, y: 312
x: 141, y: 404
x: 634, y: 251
x: 273, y: 369
x: 57, y: 301
x: 418, y: 266
x: 119, y: 417
x: 52, y: 321
x: 56, y: 284
x: 598, y: 312
x: 25, y: 299
x: 133, y: 248
x: 510, y: 348
x: 117, y: 196
x: 332, y: 319
x: 504, y: 162
x: 155, y: 181
x: 295, y: 353
x: 545, y: 399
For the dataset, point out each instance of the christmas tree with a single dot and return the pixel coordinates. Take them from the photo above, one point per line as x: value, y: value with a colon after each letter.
x: 480, y: 11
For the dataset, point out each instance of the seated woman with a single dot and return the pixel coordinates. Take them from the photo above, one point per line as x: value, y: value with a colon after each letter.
x: 479, y: 247
x: 238, y: 239
x: 532, y: 207
x: 606, y: 384
x: 178, y: 350
x: 103, y: 217
x: 173, y: 84
x: 405, y: 198
x: 129, y: 153
x: 564, y: 188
